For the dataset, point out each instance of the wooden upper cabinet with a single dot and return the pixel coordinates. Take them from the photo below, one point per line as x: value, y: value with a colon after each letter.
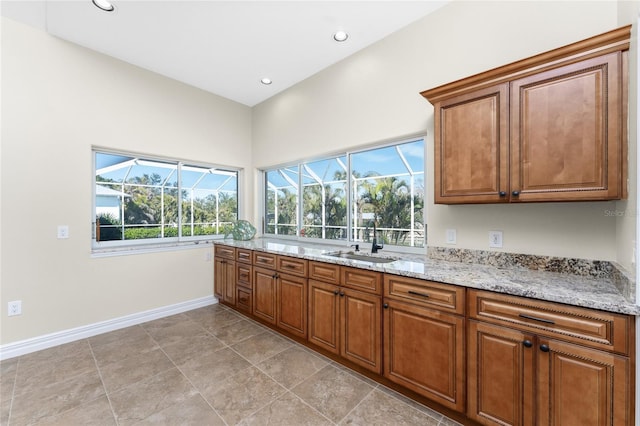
x: 548, y: 128
x: 471, y: 154
x: 565, y: 133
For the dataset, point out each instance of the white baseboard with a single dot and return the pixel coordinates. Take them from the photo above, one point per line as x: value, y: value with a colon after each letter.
x: 34, y: 344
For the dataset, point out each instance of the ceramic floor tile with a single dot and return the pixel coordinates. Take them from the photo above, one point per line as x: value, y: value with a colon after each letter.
x: 5, y: 408
x: 288, y: 410
x: 238, y: 331
x: 133, y: 369
x: 189, y: 347
x: 166, y: 333
x: 123, y: 336
x: 213, y: 319
x: 55, y: 398
x: 262, y: 346
x: 292, y: 366
x: 36, y: 359
x: 242, y: 394
x: 142, y: 399
x: 39, y: 372
x: 426, y: 410
x: 109, y: 353
x: 379, y: 408
x: 193, y: 411
x: 95, y: 413
x: 207, y: 371
x: 333, y: 392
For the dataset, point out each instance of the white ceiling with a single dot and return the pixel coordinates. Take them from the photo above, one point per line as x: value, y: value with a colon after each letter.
x: 224, y: 47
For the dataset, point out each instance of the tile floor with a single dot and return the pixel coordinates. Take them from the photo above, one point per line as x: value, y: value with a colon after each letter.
x: 209, y: 366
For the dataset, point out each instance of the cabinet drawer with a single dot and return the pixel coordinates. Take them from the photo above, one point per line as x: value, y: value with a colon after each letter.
x: 243, y: 299
x: 325, y: 272
x: 243, y: 255
x: 292, y: 265
x: 599, y: 329
x: 361, y: 279
x: 266, y: 260
x: 444, y: 297
x: 224, y: 252
x: 244, y: 275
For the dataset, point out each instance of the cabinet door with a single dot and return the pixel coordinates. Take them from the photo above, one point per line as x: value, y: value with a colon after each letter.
x: 219, y: 277
x: 471, y: 147
x: 500, y: 375
x: 323, y: 315
x: 566, y: 132
x: 292, y: 304
x: 581, y: 386
x: 424, y: 351
x: 224, y: 281
x: 361, y: 328
x: 264, y: 294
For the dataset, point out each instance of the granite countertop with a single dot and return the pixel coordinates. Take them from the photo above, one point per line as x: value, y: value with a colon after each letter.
x: 590, y: 292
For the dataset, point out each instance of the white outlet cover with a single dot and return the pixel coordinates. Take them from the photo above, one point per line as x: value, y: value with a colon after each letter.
x: 14, y: 308
x: 451, y: 237
x: 495, y: 239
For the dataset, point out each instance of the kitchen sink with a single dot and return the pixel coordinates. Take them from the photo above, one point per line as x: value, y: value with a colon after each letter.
x: 363, y: 257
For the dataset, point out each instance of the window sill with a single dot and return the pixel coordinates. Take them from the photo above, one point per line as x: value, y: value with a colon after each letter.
x: 149, y: 248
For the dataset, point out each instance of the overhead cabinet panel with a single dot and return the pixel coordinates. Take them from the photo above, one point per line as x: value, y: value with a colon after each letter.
x: 548, y: 128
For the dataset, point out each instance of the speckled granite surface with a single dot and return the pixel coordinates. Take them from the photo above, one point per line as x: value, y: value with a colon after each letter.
x: 580, y: 283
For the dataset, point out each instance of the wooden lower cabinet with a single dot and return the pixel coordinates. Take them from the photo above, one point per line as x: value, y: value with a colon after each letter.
x: 517, y: 378
x: 264, y: 294
x: 424, y: 351
x: 346, y: 322
x: 225, y: 281
x: 292, y: 304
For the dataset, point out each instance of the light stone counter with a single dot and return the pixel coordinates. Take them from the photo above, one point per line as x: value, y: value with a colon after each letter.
x: 578, y: 290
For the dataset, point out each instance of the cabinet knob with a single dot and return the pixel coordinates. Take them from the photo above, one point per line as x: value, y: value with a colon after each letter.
x: 341, y: 294
x: 386, y: 306
x: 544, y: 348
x: 336, y: 292
x: 502, y: 194
x: 527, y: 343
x: 515, y: 193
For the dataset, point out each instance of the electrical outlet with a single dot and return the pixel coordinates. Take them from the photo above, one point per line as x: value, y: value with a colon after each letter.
x: 14, y: 308
x: 495, y: 239
x: 451, y: 236
x: 63, y: 231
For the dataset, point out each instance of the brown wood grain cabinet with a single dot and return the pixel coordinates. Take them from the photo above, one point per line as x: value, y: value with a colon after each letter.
x: 343, y: 320
x: 224, y: 274
x: 280, y: 292
x: 491, y: 358
x: 547, y: 128
x: 541, y: 363
x: 424, y: 347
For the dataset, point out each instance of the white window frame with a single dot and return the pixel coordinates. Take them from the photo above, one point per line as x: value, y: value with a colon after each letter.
x: 349, y: 240
x: 162, y: 243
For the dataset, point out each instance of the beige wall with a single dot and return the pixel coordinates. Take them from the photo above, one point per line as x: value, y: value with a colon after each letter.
x: 59, y: 99
x: 374, y: 96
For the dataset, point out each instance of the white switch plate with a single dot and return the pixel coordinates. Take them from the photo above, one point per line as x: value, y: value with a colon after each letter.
x: 63, y: 231
x: 14, y: 308
x: 451, y: 236
x: 495, y: 239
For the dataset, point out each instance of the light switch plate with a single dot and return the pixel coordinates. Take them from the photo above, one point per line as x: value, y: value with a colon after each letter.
x: 63, y: 231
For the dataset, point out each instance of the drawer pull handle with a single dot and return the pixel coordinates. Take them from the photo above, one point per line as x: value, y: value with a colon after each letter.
x: 546, y: 321
x: 415, y: 293
x: 263, y: 260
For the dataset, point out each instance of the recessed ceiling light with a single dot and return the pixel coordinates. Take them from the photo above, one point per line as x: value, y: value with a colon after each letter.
x: 104, y: 5
x: 340, y: 36
x: 266, y: 81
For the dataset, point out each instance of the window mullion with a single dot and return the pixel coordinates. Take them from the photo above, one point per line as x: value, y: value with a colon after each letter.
x: 179, y: 200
